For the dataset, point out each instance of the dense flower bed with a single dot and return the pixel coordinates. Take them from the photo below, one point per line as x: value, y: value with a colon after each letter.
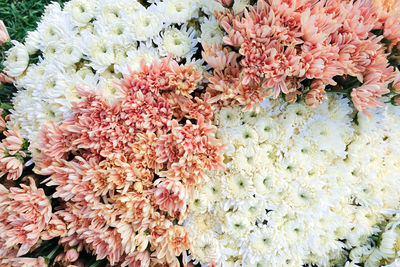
x: 202, y: 132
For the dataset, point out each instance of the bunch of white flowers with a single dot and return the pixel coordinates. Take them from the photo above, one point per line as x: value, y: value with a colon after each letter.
x: 92, y: 44
x: 382, y: 249
x: 301, y: 185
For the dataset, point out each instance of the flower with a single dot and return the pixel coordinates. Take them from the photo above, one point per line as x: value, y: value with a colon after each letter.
x: 281, y: 47
x: 4, y: 78
x: 184, y: 79
x: 211, y: 32
x: 391, y: 28
x: 26, y: 262
x: 81, y: 11
x: 177, y: 11
x: 171, y: 196
x: 217, y: 57
x: 365, y: 96
x: 11, y: 155
x: 4, y: 37
x: 179, y: 43
x: 55, y: 228
x: 26, y: 212
x: 17, y: 60
x: 71, y: 255
x: 11, y: 165
x: 317, y: 94
x: 147, y: 25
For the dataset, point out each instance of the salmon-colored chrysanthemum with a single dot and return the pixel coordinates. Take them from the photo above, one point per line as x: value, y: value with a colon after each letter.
x: 171, y: 196
x: 184, y: 79
x: 25, y: 213
x: 55, y: 228
x: 11, y: 166
x: 217, y: 57
x: 25, y: 262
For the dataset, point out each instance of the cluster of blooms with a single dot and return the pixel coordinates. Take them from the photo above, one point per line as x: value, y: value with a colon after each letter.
x: 382, y: 249
x: 125, y: 169
x: 301, y: 185
x: 12, y: 153
x: 294, y: 47
x: 25, y: 215
x: 116, y: 108
x: 94, y: 43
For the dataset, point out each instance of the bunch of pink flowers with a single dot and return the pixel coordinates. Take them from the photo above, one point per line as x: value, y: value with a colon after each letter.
x: 123, y: 172
x: 304, y: 47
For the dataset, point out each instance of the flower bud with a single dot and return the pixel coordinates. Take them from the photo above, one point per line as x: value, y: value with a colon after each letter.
x: 4, y: 37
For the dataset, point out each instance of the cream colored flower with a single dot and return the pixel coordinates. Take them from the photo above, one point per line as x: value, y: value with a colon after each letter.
x: 17, y: 60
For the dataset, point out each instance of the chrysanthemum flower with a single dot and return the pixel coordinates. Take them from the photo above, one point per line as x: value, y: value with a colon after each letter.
x: 26, y: 211
x: 11, y: 155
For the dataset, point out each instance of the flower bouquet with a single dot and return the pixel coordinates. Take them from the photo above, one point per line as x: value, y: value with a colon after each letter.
x: 203, y: 133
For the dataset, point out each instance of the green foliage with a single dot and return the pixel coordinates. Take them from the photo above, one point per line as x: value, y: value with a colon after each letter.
x: 22, y: 16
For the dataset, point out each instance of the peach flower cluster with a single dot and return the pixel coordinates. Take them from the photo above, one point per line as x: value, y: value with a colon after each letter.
x: 124, y: 169
x: 303, y: 47
x: 12, y: 154
x: 24, y: 214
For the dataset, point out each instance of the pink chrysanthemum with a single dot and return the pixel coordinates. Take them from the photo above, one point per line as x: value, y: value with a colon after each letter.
x: 25, y: 213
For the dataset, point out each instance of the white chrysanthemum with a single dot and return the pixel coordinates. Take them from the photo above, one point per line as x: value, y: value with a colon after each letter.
x: 236, y: 224
x: 82, y: 11
x: 388, y: 244
x: 268, y: 130
x: 210, y: 6
x: 177, y: 11
x: 247, y: 159
x: 240, y: 5
x: 323, y: 133
x: 101, y: 52
x: 228, y: 117
x: 205, y: 247
x: 239, y: 185
x: 110, y: 12
x: 212, y: 191
x: 146, y: 25
x: 54, y: 28
x: 27, y: 116
x: 70, y: 53
x: 135, y: 57
x: 32, y: 42
x: 211, y: 32
x: 179, y: 43
x: 261, y: 240
x: 17, y: 60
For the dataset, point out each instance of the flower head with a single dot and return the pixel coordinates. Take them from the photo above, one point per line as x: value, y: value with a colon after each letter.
x: 26, y: 212
x: 17, y: 60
